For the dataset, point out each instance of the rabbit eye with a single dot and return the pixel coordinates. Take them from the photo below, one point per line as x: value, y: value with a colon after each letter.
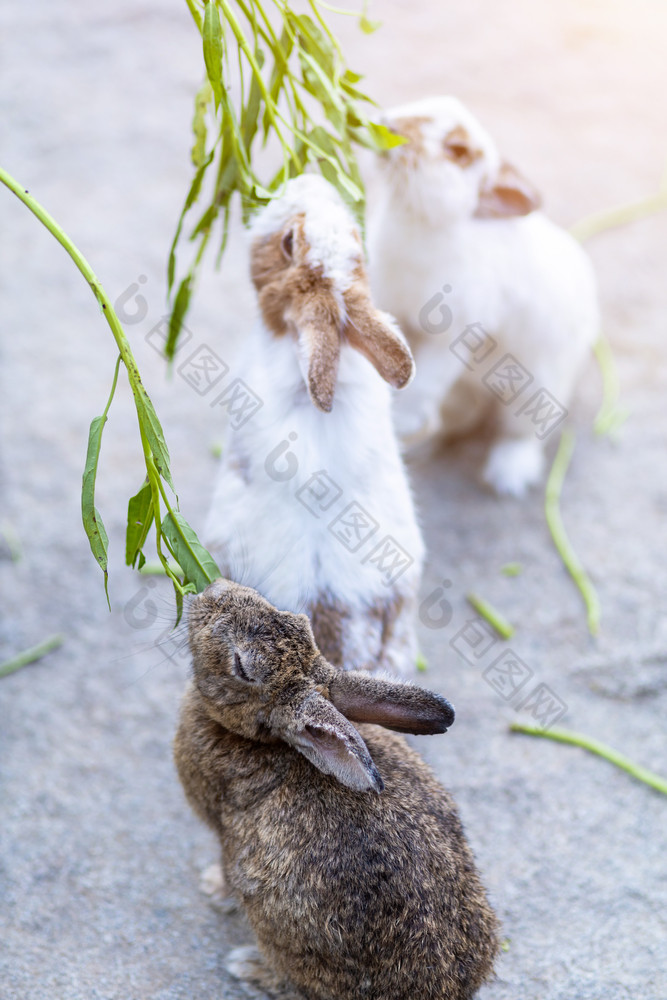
x: 287, y: 244
x: 238, y: 669
x: 461, y: 153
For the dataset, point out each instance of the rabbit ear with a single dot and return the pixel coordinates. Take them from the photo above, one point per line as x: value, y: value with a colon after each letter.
x: 509, y: 196
x: 375, y: 335
x: 334, y: 746
x: 317, y: 322
x: 402, y: 707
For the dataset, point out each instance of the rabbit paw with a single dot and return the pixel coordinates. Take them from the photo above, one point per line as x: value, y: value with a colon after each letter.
x: 247, y: 964
x: 513, y: 466
x: 212, y: 881
x: 212, y: 884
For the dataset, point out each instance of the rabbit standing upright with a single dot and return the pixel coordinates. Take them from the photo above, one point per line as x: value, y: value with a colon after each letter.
x: 312, y: 504
x: 346, y: 853
x: 499, y: 304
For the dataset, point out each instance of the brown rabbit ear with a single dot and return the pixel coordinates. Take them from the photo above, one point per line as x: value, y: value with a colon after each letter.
x: 375, y: 335
x: 509, y: 196
x: 334, y: 746
x: 402, y: 707
x: 317, y: 323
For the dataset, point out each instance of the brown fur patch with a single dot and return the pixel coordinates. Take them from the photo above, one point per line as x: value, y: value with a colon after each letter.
x: 294, y: 295
x: 411, y: 129
x: 384, y: 615
x: 369, y: 334
x: 327, y: 619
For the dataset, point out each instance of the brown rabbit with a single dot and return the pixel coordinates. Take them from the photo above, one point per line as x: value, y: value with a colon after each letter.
x: 346, y: 853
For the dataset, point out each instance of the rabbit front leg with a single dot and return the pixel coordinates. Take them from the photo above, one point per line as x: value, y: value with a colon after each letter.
x: 248, y: 965
x: 516, y: 459
x: 514, y: 465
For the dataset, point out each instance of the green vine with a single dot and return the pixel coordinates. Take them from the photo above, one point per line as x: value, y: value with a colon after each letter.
x: 180, y: 540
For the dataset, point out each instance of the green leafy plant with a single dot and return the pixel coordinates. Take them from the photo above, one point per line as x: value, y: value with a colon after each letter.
x: 194, y: 567
x: 272, y: 77
x: 280, y: 78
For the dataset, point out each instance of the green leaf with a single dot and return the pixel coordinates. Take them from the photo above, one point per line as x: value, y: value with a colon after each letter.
x: 320, y: 85
x: 202, y: 100
x: 365, y: 23
x: 250, y: 114
x: 92, y: 522
x: 193, y: 194
x: 345, y: 186
x: 197, y: 564
x: 152, y: 429
x: 281, y: 57
x: 368, y: 26
x: 212, y: 39
x: 314, y: 41
x: 181, y: 304
x: 202, y: 227
x: 381, y: 138
x: 139, y: 520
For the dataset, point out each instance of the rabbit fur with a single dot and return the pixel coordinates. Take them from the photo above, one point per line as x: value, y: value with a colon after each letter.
x: 457, y: 241
x: 312, y: 505
x: 346, y: 853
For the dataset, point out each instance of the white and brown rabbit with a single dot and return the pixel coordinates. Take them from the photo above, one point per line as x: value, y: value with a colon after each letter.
x: 345, y: 852
x: 312, y: 504
x: 499, y: 304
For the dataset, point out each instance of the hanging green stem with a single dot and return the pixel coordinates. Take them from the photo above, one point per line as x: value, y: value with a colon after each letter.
x: 156, y: 454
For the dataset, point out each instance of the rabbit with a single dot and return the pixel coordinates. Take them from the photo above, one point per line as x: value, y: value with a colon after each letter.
x: 498, y: 303
x: 312, y: 504
x: 346, y: 853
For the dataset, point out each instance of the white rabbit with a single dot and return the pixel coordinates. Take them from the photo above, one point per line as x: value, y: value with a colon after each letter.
x: 499, y: 304
x: 312, y: 506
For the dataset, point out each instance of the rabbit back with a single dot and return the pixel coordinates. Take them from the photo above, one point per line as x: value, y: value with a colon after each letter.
x: 350, y: 894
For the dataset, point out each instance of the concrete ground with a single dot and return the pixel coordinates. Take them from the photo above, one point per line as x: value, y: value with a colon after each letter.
x: 100, y: 856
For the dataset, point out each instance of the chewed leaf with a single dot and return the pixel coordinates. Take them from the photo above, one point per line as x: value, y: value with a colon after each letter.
x: 139, y: 520
x: 202, y: 100
x: 197, y: 564
x: 92, y: 522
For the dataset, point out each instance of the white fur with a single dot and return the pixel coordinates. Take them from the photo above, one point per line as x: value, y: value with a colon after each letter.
x: 261, y: 533
x: 524, y: 279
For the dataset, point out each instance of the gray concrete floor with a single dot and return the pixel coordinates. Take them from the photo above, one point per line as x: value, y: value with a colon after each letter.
x: 99, y: 855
